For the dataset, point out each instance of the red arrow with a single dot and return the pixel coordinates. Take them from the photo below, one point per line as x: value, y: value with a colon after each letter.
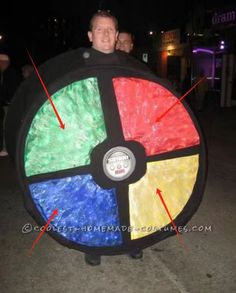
x: 62, y: 125
x: 158, y: 191
x: 55, y: 212
x: 179, y: 100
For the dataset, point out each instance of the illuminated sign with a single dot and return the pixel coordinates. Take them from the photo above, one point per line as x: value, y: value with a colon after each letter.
x: 224, y: 18
x: 171, y: 37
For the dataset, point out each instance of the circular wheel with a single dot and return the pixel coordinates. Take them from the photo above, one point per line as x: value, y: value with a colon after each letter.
x: 102, y: 171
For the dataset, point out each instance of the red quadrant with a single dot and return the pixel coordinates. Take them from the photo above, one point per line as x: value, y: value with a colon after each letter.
x: 140, y: 102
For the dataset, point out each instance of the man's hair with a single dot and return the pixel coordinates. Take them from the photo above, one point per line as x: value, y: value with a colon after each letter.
x: 128, y: 33
x: 103, y: 13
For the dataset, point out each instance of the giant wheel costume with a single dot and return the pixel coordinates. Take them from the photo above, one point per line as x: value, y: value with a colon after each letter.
x: 102, y: 171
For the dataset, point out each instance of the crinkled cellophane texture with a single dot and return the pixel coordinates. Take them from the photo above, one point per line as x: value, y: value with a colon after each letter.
x: 140, y: 103
x: 49, y: 148
x: 176, y: 179
x: 85, y: 210
x: 80, y: 201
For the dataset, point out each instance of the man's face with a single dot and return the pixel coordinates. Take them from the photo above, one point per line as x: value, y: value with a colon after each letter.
x: 124, y: 42
x: 103, y: 34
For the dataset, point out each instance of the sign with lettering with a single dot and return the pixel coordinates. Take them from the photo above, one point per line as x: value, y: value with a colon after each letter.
x: 171, y: 37
x: 224, y: 18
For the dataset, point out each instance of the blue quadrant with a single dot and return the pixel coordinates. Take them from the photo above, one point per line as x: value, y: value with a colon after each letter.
x: 87, y: 214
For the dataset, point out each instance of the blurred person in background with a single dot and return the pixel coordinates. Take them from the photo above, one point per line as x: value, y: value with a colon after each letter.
x: 10, y: 79
x: 125, y: 42
x: 26, y: 70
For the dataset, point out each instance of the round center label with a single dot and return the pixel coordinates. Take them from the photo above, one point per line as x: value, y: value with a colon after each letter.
x: 119, y: 163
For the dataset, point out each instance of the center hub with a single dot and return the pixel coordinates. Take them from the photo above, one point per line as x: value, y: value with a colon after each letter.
x: 119, y: 163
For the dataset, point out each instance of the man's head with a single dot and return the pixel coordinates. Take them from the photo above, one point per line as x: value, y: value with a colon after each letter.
x: 103, y: 31
x: 125, y: 42
x: 27, y: 70
x: 4, y: 62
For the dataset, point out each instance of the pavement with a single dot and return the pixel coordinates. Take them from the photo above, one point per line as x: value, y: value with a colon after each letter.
x: 205, y: 263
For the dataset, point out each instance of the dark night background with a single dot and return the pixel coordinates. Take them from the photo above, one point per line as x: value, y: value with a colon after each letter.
x: 48, y: 28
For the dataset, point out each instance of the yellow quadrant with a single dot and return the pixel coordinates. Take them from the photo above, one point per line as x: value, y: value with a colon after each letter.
x: 176, y: 179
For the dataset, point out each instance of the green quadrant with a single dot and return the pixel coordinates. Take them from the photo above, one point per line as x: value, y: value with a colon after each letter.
x: 49, y: 148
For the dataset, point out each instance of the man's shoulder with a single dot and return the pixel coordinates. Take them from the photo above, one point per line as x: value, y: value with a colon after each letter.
x: 131, y: 61
x: 118, y: 58
x: 89, y: 57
